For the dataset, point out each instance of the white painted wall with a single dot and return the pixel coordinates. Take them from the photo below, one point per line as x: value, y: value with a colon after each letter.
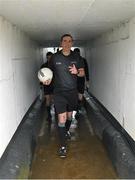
x: 19, y: 62
x: 111, y: 59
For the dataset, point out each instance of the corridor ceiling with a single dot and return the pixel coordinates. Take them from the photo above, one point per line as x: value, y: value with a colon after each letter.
x: 46, y: 20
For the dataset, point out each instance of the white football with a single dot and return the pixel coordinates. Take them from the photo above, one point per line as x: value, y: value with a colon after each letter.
x: 45, y: 74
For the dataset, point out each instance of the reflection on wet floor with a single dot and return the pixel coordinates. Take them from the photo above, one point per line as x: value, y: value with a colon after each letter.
x: 86, y: 158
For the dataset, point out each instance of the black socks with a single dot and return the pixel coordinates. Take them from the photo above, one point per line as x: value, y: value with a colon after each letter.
x: 68, y: 123
x: 62, y: 133
x: 48, y: 112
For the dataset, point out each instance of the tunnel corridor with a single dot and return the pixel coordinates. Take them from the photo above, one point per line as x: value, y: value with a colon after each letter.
x: 103, y: 144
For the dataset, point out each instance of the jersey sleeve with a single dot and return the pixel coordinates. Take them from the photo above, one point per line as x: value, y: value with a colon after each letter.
x: 80, y: 63
x: 86, y: 69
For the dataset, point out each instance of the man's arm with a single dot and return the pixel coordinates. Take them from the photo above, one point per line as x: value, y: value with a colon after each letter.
x: 81, y: 66
x: 86, y: 69
x: 81, y: 72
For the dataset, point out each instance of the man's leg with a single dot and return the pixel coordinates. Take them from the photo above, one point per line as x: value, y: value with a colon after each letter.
x: 80, y: 101
x: 68, y: 124
x: 62, y: 133
x: 81, y: 87
x: 69, y: 120
x: 72, y: 99
x: 48, y: 106
x: 62, y: 128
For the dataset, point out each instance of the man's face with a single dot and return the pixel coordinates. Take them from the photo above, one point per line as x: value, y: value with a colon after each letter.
x: 66, y: 43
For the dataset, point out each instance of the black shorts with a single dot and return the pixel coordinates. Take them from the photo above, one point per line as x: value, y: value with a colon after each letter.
x: 80, y: 85
x: 66, y: 101
x: 48, y: 89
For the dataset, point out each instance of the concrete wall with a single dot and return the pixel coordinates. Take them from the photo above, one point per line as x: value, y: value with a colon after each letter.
x: 19, y: 62
x: 111, y: 59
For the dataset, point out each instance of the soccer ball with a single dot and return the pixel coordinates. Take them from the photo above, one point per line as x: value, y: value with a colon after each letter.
x: 45, y: 74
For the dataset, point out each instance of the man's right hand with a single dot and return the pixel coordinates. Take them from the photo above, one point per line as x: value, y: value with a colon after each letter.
x: 47, y: 82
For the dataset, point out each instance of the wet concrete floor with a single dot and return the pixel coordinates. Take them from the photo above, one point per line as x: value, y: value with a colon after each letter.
x: 86, y: 157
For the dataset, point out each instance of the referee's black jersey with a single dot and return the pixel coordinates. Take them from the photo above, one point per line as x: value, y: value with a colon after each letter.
x: 63, y: 79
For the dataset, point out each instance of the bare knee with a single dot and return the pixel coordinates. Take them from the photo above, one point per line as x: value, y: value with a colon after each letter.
x: 80, y: 96
x: 62, y: 117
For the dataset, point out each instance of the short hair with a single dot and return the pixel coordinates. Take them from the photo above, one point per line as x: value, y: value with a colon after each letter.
x: 66, y: 35
x: 77, y: 50
x: 49, y: 53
